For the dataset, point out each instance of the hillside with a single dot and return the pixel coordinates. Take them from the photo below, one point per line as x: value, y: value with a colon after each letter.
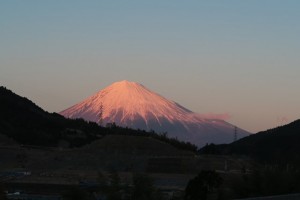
x: 26, y: 123
x: 134, y: 145
x: 278, y: 145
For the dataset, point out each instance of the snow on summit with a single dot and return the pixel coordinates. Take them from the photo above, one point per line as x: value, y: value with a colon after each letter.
x: 130, y: 104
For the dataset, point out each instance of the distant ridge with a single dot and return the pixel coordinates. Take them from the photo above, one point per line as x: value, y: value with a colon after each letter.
x: 131, y: 104
x: 279, y: 145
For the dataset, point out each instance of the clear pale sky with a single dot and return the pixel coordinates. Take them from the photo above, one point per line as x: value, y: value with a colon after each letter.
x: 236, y: 57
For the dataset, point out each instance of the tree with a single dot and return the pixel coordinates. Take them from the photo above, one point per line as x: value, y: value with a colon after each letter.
x: 203, y: 184
x: 143, y: 188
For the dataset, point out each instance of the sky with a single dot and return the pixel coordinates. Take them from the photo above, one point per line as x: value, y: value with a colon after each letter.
x: 236, y: 58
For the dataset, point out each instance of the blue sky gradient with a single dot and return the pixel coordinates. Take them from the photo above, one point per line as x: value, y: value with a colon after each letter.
x: 235, y: 57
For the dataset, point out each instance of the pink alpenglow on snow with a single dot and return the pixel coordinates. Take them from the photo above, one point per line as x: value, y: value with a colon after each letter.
x: 130, y: 104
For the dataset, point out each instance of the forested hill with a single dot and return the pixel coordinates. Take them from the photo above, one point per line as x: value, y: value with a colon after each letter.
x: 278, y: 145
x: 26, y: 123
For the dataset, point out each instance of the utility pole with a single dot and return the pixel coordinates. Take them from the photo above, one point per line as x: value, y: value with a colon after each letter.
x: 100, y: 114
x: 235, y: 134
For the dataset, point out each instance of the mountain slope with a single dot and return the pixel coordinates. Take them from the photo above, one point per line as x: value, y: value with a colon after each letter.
x: 278, y: 145
x: 27, y: 123
x: 130, y: 104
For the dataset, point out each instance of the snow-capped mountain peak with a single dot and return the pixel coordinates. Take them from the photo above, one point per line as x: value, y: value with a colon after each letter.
x: 133, y: 105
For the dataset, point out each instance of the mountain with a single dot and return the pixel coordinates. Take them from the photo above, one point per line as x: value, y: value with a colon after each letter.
x: 23, y: 122
x: 279, y: 145
x: 130, y: 104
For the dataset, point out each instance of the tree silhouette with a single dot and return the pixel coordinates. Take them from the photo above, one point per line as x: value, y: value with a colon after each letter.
x: 203, y: 184
x: 143, y: 188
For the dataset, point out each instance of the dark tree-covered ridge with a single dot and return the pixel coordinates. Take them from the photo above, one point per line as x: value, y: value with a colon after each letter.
x: 277, y: 146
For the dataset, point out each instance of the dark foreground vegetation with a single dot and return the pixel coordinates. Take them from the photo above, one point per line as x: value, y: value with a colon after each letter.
x: 28, y: 124
x: 207, y: 185
x: 265, y: 181
x: 111, y: 188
